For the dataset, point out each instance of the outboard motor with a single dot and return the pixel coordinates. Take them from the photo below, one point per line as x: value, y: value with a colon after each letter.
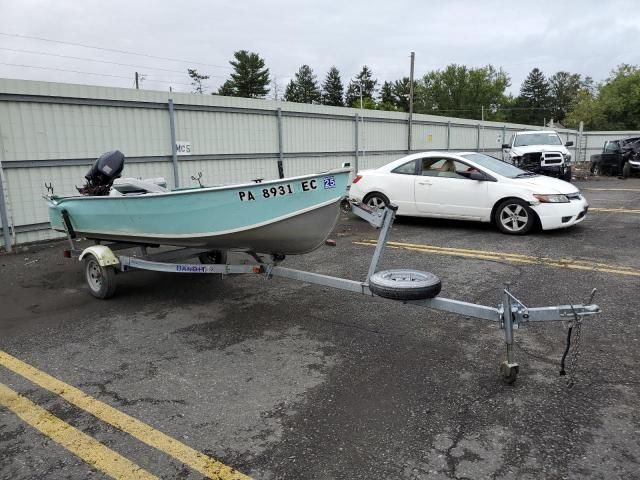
x: 101, y: 175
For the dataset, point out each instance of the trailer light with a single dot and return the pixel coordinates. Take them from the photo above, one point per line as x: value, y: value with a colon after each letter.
x: 66, y: 254
x: 357, y: 178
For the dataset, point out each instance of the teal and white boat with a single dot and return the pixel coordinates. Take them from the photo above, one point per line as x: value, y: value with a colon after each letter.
x: 286, y: 216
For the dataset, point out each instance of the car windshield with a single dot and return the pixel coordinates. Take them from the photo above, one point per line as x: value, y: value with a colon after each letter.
x: 524, y: 139
x: 497, y: 166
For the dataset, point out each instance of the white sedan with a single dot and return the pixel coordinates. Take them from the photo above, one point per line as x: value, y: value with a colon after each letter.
x: 471, y: 186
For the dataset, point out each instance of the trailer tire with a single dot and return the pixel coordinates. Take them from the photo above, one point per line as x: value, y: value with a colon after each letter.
x: 101, y: 280
x: 403, y: 284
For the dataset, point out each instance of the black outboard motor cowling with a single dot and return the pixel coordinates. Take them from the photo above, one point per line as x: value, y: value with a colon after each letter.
x: 101, y: 175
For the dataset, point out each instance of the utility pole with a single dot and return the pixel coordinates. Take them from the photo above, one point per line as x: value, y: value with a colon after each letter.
x: 413, y: 57
x: 482, y: 116
x: 137, y: 86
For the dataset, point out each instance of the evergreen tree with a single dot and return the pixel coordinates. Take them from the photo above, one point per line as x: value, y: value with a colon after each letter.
x: 532, y: 105
x: 227, y: 89
x: 564, y: 88
x: 332, y: 89
x: 387, y: 99
x: 303, y: 88
x: 365, y: 80
x: 196, y: 80
x: 401, y: 94
x: 250, y: 78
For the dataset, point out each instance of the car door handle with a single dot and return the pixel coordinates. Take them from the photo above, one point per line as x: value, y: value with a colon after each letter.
x: 424, y: 183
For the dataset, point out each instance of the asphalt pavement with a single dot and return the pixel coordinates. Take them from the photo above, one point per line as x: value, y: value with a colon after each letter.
x: 185, y: 376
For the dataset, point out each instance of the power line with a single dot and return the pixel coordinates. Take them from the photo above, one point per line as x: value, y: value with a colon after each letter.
x: 91, y: 73
x: 140, y: 67
x: 113, y: 50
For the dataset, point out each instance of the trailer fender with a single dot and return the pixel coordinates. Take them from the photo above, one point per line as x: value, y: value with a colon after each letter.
x: 103, y: 254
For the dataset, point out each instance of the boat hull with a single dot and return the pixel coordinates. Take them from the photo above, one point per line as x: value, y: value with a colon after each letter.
x: 289, y: 216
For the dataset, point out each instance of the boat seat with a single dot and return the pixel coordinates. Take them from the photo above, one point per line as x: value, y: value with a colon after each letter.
x: 135, y: 186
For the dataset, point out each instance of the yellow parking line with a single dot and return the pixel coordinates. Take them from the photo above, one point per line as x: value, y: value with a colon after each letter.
x: 80, y: 444
x: 134, y: 427
x: 612, y: 189
x: 510, y: 257
x: 615, y: 210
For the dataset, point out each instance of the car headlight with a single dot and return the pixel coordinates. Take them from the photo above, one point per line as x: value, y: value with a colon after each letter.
x: 553, y: 198
x: 567, y: 157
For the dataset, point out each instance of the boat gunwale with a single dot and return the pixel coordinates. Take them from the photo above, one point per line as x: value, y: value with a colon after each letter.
x: 58, y: 200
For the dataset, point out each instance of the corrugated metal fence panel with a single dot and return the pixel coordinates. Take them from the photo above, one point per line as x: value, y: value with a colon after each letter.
x: 376, y: 135
x: 305, y: 134
x: 221, y: 132
x: 491, y: 139
x: 221, y: 172
x: 429, y: 137
x: 302, y: 165
x: 26, y: 189
x: 464, y: 138
x: 35, y: 131
x: 369, y: 161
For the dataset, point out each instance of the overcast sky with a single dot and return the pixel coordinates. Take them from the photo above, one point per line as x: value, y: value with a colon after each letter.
x: 586, y: 37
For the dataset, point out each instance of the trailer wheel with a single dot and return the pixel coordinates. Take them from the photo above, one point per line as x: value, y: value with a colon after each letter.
x: 212, y: 257
x: 509, y: 373
x: 402, y: 284
x: 626, y: 170
x: 101, y: 280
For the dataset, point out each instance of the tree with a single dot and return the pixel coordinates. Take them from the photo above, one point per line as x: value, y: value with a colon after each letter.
x: 333, y: 89
x: 303, y: 88
x: 394, y: 96
x: 365, y: 80
x: 227, y: 89
x: 586, y: 108
x: 619, y: 97
x: 532, y: 105
x: 196, y: 80
x: 250, y: 78
x: 461, y: 92
x: 615, y: 105
x: 563, y: 89
x: 387, y: 98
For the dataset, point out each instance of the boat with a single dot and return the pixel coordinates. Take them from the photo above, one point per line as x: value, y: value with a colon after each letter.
x: 287, y: 216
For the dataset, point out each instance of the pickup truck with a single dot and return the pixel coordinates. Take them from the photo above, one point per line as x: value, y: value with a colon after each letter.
x: 618, y: 157
x: 540, y: 151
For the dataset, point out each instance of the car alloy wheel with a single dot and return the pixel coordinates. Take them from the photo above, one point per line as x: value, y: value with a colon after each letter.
x: 514, y: 218
x: 376, y: 202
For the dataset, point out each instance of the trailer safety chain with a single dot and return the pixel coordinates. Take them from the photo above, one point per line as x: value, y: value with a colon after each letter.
x: 576, y: 324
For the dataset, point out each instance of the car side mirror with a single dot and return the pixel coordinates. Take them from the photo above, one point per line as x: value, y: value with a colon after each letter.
x: 568, y: 144
x: 506, y: 145
x: 475, y: 175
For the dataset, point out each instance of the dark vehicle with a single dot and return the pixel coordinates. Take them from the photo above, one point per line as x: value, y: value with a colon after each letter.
x: 618, y: 157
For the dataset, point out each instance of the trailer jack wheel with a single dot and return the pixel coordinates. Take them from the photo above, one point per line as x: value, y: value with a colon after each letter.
x: 509, y: 372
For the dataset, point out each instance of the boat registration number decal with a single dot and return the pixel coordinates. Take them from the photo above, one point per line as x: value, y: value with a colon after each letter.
x: 269, y: 192
x: 286, y: 189
x: 329, y: 182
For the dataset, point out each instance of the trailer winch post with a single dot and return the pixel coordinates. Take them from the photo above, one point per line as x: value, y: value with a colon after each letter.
x: 387, y: 221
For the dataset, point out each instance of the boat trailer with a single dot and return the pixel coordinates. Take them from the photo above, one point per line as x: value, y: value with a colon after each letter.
x: 102, y: 262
